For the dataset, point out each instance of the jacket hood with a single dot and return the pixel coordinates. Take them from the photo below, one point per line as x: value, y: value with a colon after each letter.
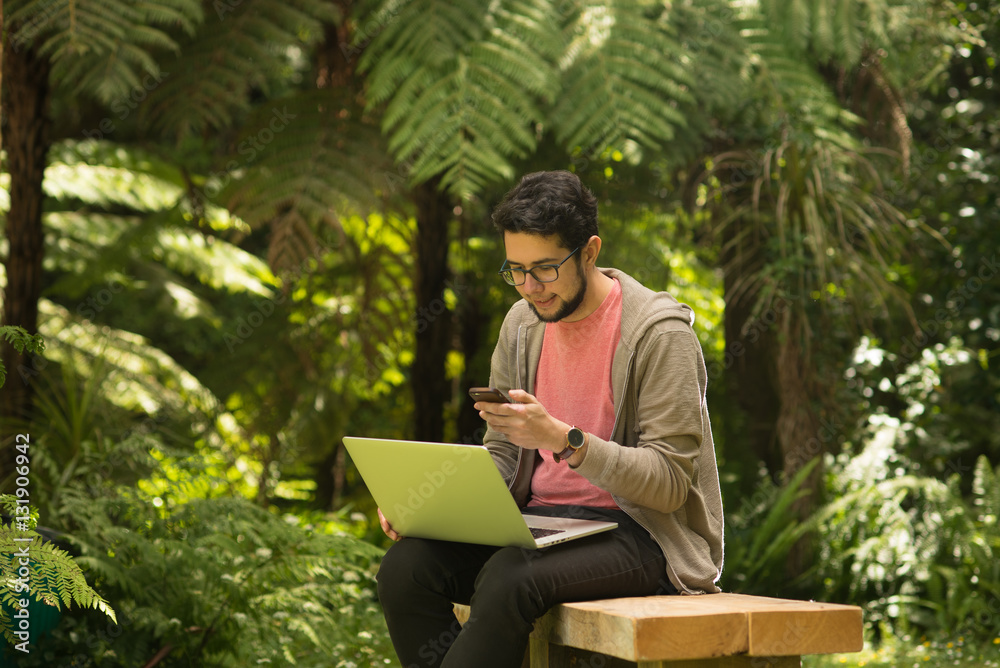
x: 646, y: 307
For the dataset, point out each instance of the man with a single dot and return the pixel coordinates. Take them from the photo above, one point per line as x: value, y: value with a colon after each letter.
x: 609, y: 423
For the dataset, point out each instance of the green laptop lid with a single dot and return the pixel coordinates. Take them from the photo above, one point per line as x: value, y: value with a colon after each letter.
x: 444, y: 491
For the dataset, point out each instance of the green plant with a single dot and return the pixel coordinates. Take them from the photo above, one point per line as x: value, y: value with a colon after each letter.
x: 221, y: 582
x: 761, y: 535
x: 916, y: 554
x: 38, y: 571
x: 21, y: 340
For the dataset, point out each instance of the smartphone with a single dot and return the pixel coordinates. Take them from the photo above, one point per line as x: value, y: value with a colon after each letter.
x: 489, y: 394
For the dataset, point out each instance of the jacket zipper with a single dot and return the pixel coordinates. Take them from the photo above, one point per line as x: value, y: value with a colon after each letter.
x: 520, y: 385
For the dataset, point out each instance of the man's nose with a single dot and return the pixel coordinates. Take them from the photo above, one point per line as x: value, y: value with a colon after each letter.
x: 531, y: 285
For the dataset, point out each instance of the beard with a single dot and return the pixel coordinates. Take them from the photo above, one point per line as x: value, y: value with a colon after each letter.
x: 568, y: 305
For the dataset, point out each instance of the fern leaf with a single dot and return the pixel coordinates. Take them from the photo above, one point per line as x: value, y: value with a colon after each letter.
x: 846, y: 29
x: 622, y: 79
x: 462, y: 91
x: 243, y: 47
x: 317, y: 165
x: 102, y: 48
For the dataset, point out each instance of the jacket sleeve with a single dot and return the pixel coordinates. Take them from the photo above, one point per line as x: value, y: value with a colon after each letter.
x: 669, y: 393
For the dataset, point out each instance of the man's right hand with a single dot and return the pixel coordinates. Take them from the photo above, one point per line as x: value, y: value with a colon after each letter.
x: 386, y: 527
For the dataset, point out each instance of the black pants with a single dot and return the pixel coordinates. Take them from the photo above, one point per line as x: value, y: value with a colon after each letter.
x: 507, y: 589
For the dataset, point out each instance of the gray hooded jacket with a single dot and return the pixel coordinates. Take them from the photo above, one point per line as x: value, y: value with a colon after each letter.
x: 660, y: 464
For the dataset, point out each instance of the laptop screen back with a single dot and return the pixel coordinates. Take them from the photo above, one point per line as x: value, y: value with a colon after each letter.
x: 440, y: 490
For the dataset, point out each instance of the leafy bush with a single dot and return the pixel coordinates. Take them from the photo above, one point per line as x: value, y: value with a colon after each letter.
x: 21, y: 340
x: 218, y: 582
x: 910, y: 549
x: 917, y: 554
x: 760, y: 535
x: 38, y: 577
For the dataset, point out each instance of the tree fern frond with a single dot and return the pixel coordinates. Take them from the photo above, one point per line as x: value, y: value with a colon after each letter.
x: 56, y: 579
x: 145, y: 377
x: 821, y: 28
x: 462, y: 91
x: 622, y: 79
x: 318, y: 163
x: 243, y: 47
x: 415, y: 36
x: 102, y: 47
x: 847, y: 31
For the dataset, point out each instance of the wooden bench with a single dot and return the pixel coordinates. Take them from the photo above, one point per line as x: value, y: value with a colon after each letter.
x: 711, y: 631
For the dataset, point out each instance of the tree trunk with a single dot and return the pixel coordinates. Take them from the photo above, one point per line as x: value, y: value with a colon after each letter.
x: 2, y: 33
x: 432, y: 319
x: 25, y: 98
x: 798, y: 428
x: 773, y: 381
x: 472, y: 321
x: 750, y: 343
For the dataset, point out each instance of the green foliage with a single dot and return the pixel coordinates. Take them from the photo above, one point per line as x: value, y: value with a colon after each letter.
x: 623, y: 78
x: 761, y: 534
x: 314, y: 139
x: 464, y: 96
x: 911, y: 549
x: 461, y: 89
x: 220, y: 582
x: 243, y: 49
x: 46, y: 574
x: 21, y: 340
x: 100, y: 47
x: 170, y: 335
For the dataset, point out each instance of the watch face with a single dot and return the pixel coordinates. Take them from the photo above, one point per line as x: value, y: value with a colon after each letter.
x: 575, y: 438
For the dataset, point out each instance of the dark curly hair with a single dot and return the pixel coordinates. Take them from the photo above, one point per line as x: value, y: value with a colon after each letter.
x: 549, y: 203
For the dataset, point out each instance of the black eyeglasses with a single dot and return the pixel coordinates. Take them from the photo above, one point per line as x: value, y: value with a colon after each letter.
x: 543, y: 273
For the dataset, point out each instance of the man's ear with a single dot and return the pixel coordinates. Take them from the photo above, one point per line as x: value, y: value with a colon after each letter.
x: 590, y: 251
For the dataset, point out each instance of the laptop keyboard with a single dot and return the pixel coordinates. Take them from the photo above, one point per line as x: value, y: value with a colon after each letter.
x: 541, y: 533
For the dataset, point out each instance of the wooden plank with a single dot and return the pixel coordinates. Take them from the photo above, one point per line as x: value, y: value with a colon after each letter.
x: 781, y: 627
x: 651, y: 628
x: 569, y: 657
x: 671, y: 629
x: 729, y: 662
x: 815, y: 631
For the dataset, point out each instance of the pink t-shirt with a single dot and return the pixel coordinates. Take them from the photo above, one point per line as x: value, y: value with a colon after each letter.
x: 573, y: 382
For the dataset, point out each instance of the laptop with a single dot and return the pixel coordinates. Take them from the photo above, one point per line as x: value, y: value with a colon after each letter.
x: 454, y: 492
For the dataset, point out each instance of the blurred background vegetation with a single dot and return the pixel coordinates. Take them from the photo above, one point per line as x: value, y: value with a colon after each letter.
x: 247, y: 228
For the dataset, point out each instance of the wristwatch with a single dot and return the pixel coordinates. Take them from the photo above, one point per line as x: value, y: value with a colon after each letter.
x: 575, y: 438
